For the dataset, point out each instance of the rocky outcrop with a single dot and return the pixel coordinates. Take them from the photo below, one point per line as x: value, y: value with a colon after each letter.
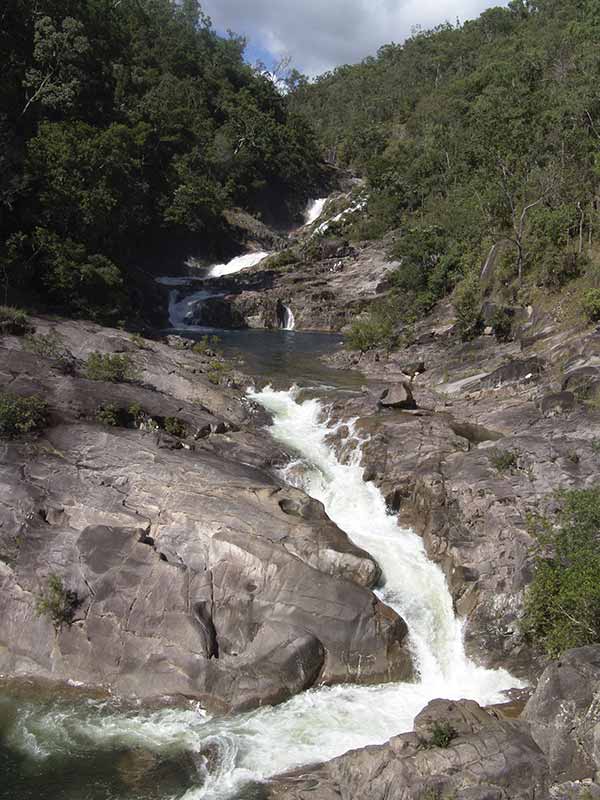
x: 492, y: 439
x: 486, y: 757
x: 564, y: 716
x: 325, y: 289
x: 190, y: 569
x: 463, y: 751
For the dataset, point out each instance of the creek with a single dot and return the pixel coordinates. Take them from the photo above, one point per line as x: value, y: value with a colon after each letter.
x: 57, y: 745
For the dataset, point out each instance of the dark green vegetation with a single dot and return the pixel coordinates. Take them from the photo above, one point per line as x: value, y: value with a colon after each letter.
x: 442, y: 734
x: 52, y: 347
x: 480, y: 143
x: 21, y: 414
x: 563, y: 602
x: 126, y: 130
x: 504, y: 460
x: 57, y: 603
x: 13, y: 322
x: 111, y: 367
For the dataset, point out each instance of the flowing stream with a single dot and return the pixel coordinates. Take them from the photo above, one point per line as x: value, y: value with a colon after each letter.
x: 320, y: 723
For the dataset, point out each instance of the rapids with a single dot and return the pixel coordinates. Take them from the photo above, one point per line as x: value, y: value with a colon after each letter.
x: 320, y: 723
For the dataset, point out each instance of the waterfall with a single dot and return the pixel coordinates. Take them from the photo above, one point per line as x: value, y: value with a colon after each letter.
x: 180, y: 309
x: 289, y: 323
x: 327, y: 721
x: 314, y: 210
x: 237, y: 264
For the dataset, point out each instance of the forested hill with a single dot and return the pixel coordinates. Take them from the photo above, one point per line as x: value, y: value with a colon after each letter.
x: 126, y: 128
x: 473, y: 135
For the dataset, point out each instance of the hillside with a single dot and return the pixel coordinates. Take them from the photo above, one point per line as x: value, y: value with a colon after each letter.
x: 480, y: 145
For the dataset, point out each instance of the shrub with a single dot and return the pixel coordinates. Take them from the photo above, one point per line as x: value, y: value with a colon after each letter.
x: 14, y: 322
x: 138, y: 340
x: 591, y: 304
x: 215, y: 372
x: 502, y: 323
x: 175, y: 427
x: 109, y: 414
x: 136, y: 413
x: 111, y: 367
x: 51, y: 347
x: 21, y: 414
x: 442, y: 733
x: 467, y: 305
x: 562, y: 604
x: 368, y: 334
x: 283, y: 259
x: 205, y: 344
x: 504, y: 460
x: 57, y: 603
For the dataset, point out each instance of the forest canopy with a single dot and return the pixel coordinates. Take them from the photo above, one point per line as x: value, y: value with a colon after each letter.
x: 126, y: 129
x: 473, y: 136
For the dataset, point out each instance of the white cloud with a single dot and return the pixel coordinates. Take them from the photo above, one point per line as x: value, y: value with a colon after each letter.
x: 321, y: 34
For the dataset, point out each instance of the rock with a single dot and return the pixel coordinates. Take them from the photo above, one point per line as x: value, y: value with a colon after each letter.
x: 398, y: 395
x: 437, y: 471
x: 326, y: 293
x: 564, y: 716
x: 196, y: 573
x: 217, y: 312
x: 557, y: 403
x: 488, y: 758
x: 414, y: 368
x: 515, y: 370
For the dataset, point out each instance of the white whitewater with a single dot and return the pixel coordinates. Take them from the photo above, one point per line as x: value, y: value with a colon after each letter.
x: 314, y: 210
x: 325, y: 722
x: 289, y: 322
x: 237, y: 264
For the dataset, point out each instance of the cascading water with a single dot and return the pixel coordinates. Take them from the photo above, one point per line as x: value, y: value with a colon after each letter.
x: 314, y: 210
x: 237, y: 264
x: 288, y: 322
x: 181, y: 309
x: 324, y: 722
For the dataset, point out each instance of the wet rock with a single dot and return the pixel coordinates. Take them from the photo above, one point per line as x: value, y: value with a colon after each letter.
x: 487, y: 758
x: 197, y: 572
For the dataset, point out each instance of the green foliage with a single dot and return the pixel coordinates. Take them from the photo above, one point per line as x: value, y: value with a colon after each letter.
x: 57, y: 603
x: 467, y: 305
x: 473, y: 135
x: 206, y: 345
x: 502, y: 324
x: 175, y: 427
x: 591, y: 304
x: 127, y: 127
x: 504, y: 460
x: 562, y: 606
x: 109, y: 414
x: 21, y: 414
x: 283, y: 259
x: 51, y: 346
x: 369, y: 333
x: 111, y: 367
x: 136, y: 413
x: 13, y: 322
x: 138, y: 340
x: 216, y: 371
x: 442, y: 734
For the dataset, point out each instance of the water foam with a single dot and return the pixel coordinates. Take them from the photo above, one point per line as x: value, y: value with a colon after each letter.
x: 237, y: 264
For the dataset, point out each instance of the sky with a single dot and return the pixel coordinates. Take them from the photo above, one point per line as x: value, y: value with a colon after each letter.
x: 321, y: 34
